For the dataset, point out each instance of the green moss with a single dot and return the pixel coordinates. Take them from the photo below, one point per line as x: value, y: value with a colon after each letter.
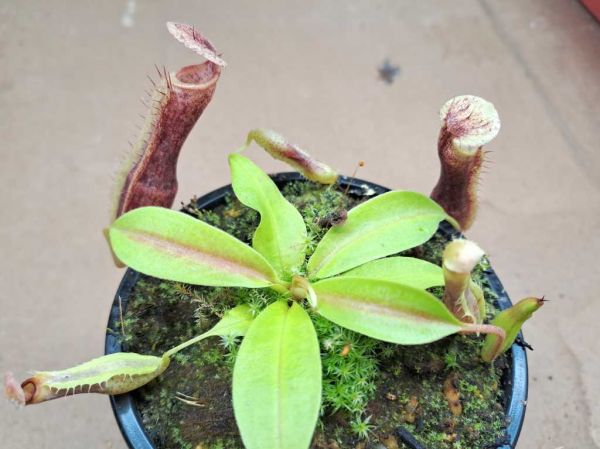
x: 369, y: 387
x: 349, y: 368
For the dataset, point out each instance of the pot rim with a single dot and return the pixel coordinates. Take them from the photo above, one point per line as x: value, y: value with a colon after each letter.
x: 515, y: 379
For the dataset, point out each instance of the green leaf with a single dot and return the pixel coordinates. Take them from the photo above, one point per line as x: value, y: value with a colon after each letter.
x: 173, y: 246
x: 277, y: 380
x: 281, y: 235
x: 403, y: 270
x: 235, y: 323
x: 384, y: 225
x: 385, y: 310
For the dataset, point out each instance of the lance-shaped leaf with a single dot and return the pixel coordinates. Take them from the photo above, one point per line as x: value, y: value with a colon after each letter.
x: 385, y: 310
x: 235, y: 323
x: 173, y: 246
x: 281, y: 234
x: 277, y: 380
x: 384, y: 225
x: 409, y: 271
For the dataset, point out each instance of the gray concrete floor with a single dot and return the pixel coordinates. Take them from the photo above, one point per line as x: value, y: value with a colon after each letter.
x: 70, y: 78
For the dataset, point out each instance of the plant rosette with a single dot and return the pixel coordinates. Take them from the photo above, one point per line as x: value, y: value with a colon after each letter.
x: 317, y: 297
x: 514, y: 378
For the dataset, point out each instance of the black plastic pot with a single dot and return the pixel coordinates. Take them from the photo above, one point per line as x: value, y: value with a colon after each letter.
x: 515, y: 379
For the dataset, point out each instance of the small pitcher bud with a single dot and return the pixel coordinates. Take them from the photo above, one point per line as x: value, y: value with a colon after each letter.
x: 468, y: 123
x: 300, y: 288
x: 463, y: 297
x: 280, y: 149
x: 111, y: 374
x: 510, y: 320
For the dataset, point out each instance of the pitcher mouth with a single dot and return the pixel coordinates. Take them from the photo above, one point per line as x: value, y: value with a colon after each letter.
x: 29, y: 389
x: 197, y: 76
x: 471, y: 121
